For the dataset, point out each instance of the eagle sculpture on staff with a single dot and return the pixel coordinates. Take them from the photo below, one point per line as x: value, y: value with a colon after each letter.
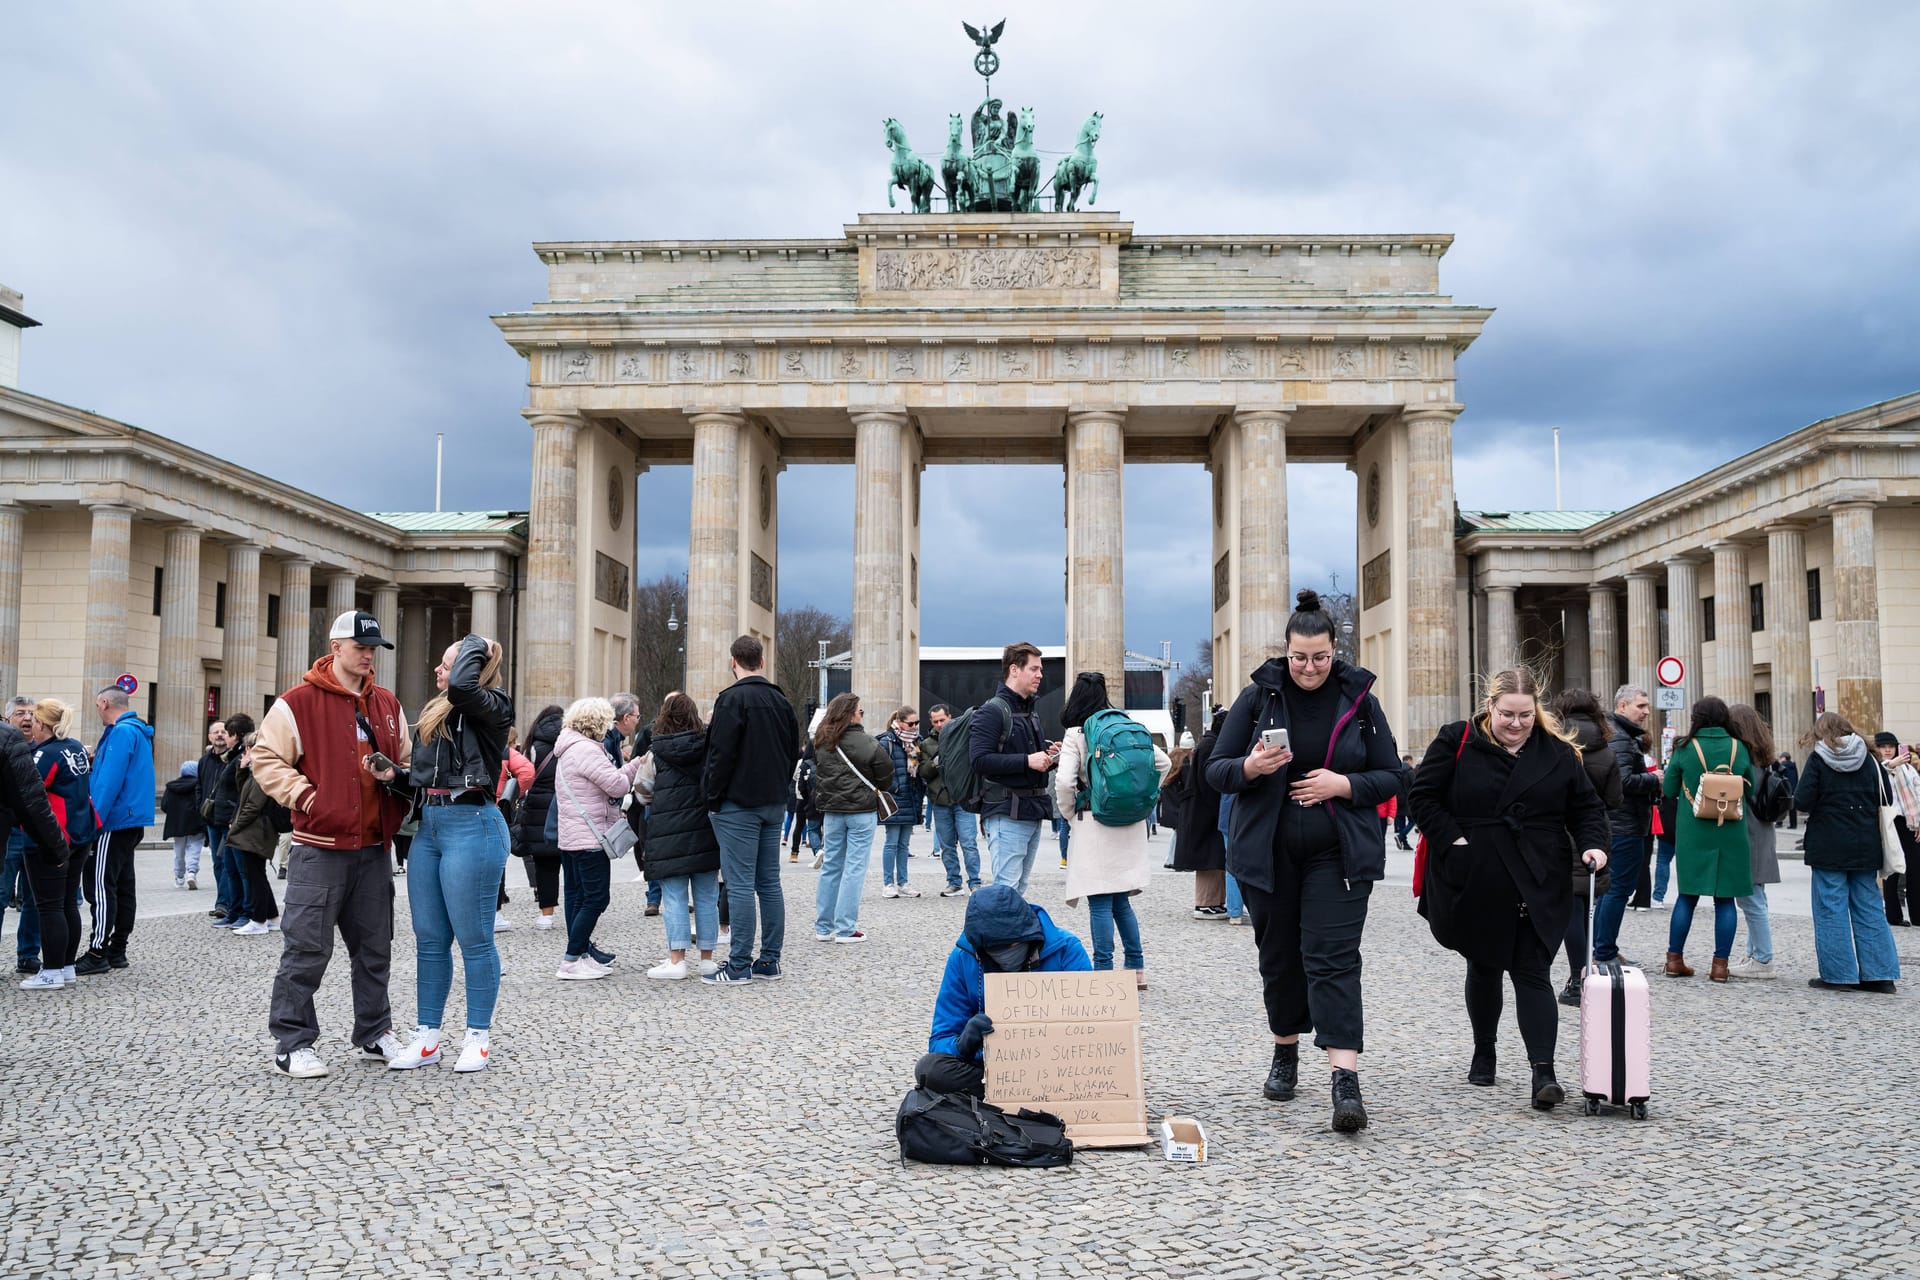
x: 986, y: 41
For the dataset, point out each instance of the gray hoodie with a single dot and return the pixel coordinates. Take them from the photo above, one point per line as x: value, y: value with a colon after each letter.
x: 1851, y: 755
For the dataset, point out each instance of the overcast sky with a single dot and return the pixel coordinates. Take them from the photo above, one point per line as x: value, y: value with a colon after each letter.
x: 276, y: 232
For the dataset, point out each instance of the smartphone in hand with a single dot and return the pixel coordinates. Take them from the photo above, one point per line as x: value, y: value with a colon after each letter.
x: 1273, y: 739
x: 380, y: 763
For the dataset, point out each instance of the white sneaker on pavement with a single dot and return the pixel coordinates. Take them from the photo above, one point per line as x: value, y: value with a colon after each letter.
x: 709, y: 967
x: 582, y: 970
x: 193, y: 882
x: 1748, y: 967
x: 422, y: 1051
x: 669, y: 971
x: 847, y: 938
x: 908, y: 891
x: 543, y: 923
x: 500, y: 922
x: 302, y: 1064
x: 386, y: 1049
x: 45, y: 980
x: 179, y: 882
x: 474, y: 1052
x: 889, y: 892
x: 953, y: 891
x: 252, y: 929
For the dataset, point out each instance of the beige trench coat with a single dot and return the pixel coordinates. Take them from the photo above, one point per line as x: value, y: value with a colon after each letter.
x: 1100, y: 859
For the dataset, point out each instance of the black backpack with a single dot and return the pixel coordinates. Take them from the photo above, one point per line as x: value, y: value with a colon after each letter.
x: 957, y: 1128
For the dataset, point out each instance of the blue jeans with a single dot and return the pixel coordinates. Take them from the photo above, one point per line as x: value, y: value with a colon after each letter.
x: 14, y: 880
x: 587, y: 876
x: 1851, y: 936
x: 1725, y: 921
x: 453, y: 877
x: 228, y: 884
x: 843, y: 869
x: 1236, y: 905
x: 1624, y: 864
x: 816, y: 833
x: 1662, y: 866
x: 1063, y: 831
x: 893, y: 855
x: 705, y: 888
x: 1012, y: 845
x: 750, y: 864
x: 1104, y: 911
x: 1759, y: 925
x: 952, y: 835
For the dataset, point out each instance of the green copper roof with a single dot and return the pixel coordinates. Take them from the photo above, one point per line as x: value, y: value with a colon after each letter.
x: 1532, y: 521
x: 514, y: 522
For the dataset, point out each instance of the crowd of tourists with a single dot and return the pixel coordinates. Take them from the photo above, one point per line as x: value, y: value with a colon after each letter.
x: 1540, y: 821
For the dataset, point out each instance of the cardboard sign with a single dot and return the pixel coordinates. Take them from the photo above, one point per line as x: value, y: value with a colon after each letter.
x: 1069, y: 1043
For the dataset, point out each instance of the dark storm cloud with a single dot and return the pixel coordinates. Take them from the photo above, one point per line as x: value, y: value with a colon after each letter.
x: 277, y: 233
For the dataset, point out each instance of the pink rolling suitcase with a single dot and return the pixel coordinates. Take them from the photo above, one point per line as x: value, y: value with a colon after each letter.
x: 1616, y: 1035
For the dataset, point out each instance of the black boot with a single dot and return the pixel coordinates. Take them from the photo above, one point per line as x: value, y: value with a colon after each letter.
x: 1480, y: 1071
x: 1547, y: 1093
x: 1349, y: 1113
x: 1284, y: 1074
x: 1570, y: 994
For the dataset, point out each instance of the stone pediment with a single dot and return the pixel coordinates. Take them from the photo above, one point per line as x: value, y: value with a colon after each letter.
x: 27, y: 417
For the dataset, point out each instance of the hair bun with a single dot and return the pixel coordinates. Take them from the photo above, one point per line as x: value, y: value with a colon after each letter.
x: 1307, y: 601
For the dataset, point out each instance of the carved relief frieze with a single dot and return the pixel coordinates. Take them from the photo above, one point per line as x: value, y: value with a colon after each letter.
x: 935, y: 270
x: 1070, y: 360
x: 739, y: 364
x: 1346, y: 361
x: 1406, y: 362
x: 960, y: 365
x: 577, y: 366
x: 1293, y: 362
x: 906, y: 362
x: 1016, y: 362
x: 685, y: 364
x: 633, y: 366
x: 793, y: 363
x: 1237, y: 362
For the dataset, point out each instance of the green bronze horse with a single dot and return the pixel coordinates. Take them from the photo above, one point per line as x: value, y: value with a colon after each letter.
x: 954, y: 167
x: 1026, y: 167
x: 909, y: 172
x: 1078, y: 170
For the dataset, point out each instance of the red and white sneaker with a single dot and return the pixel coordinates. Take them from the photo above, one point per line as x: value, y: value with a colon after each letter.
x: 422, y: 1051
x: 473, y: 1054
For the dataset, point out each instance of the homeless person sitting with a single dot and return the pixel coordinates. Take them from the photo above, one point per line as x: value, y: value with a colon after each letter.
x: 1003, y: 934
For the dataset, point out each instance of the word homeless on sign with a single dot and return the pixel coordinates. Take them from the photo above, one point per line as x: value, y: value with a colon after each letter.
x: 1069, y: 1043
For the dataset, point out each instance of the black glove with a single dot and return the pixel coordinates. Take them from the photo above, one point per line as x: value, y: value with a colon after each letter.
x: 967, y: 1046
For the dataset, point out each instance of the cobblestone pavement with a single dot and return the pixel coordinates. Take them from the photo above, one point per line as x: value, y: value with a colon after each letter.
x: 630, y: 1127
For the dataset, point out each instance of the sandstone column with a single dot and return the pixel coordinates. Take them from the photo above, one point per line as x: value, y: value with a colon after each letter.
x: 553, y: 572
x: 240, y: 639
x: 343, y: 590
x: 1787, y: 626
x: 1732, y: 624
x: 1503, y: 629
x: 1433, y: 622
x: 1643, y: 630
x: 178, y: 706
x: 1683, y: 631
x: 1603, y: 626
x: 879, y: 562
x: 13, y: 539
x: 1856, y: 612
x: 386, y: 607
x: 1576, y: 660
x: 292, y: 657
x: 1096, y: 603
x: 1263, y: 579
x: 713, y: 553
x: 486, y: 613
x: 108, y: 552
x: 416, y: 655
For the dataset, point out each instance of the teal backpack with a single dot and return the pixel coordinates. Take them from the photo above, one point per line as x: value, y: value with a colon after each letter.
x: 1122, y: 780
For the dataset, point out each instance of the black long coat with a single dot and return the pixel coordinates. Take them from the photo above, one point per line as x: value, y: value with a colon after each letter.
x: 1518, y: 814
x: 680, y: 839
x: 530, y: 815
x: 1198, y: 844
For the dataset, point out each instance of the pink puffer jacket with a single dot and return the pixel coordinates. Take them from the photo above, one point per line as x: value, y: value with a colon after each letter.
x: 582, y: 764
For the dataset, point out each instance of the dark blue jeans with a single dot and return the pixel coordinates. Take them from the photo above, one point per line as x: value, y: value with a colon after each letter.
x: 1725, y: 921
x: 228, y: 883
x: 750, y: 864
x: 588, y: 879
x: 1624, y: 865
x: 14, y: 880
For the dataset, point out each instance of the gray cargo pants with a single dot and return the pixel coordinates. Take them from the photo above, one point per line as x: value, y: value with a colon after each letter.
x: 351, y: 890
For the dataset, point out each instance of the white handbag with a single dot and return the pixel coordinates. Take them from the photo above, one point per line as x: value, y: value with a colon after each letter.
x: 1893, y: 855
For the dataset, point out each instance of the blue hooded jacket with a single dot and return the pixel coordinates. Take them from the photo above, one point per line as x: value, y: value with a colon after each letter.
x: 996, y: 915
x: 123, y: 774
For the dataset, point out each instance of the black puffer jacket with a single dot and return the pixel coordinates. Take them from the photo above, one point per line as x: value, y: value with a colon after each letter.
x: 680, y: 839
x: 1362, y: 748
x: 1842, y: 805
x: 530, y: 816
x: 23, y: 797
x: 226, y: 788
x: 1632, y: 813
x: 473, y: 739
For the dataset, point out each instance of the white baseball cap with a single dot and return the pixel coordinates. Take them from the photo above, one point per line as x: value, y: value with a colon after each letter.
x: 360, y: 627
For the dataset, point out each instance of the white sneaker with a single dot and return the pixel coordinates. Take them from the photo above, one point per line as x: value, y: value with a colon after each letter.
x: 422, y: 1051
x: 179, y: 882
x: 252, y: 929
x: 301, y: 1064
x: 709, y: 967
x: 500, y: 925
x: 543, y: 923
x: 889, y: 892
x: 273, y: 925
x: 669, y: 971
x: 581, y: 970
x: 1745, y: 967
x: 848, y: 939
x: 193, y: 882
x: 908, y: 891
x: 45, y: 980
x: 473, y: 1054
x: 956, y: 891
x: 826, y: 936
x: 386, y: 1049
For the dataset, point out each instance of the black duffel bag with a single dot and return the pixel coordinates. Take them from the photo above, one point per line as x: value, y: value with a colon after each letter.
x: 957, y: 1128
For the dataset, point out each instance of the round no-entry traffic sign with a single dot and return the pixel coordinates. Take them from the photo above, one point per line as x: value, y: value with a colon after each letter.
x: 1671, y: 671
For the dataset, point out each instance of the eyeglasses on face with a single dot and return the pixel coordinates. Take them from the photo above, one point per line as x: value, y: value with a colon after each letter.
x: 1311, y: 659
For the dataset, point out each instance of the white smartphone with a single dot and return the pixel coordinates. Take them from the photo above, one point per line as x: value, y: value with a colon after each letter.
x: 1273, y: 739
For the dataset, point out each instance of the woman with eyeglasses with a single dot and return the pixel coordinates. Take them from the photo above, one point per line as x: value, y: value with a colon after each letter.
x: 1308, y: 758
x: 1499, y: 798
x: 901, y: 742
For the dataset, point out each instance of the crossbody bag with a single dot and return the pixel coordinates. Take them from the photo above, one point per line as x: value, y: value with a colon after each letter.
x: 618, y: 842
x: 883, y: 800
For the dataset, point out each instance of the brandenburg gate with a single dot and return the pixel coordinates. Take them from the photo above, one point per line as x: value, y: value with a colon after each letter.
x: 915, y: 339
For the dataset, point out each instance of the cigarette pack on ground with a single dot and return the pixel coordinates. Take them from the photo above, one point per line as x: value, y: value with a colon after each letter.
x: 1183, y: 1138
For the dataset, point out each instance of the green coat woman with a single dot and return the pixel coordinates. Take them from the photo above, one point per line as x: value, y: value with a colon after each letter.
x: 1712, y: 858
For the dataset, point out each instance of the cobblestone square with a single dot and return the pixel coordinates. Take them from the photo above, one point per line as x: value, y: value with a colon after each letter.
x: 630, y: 1127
